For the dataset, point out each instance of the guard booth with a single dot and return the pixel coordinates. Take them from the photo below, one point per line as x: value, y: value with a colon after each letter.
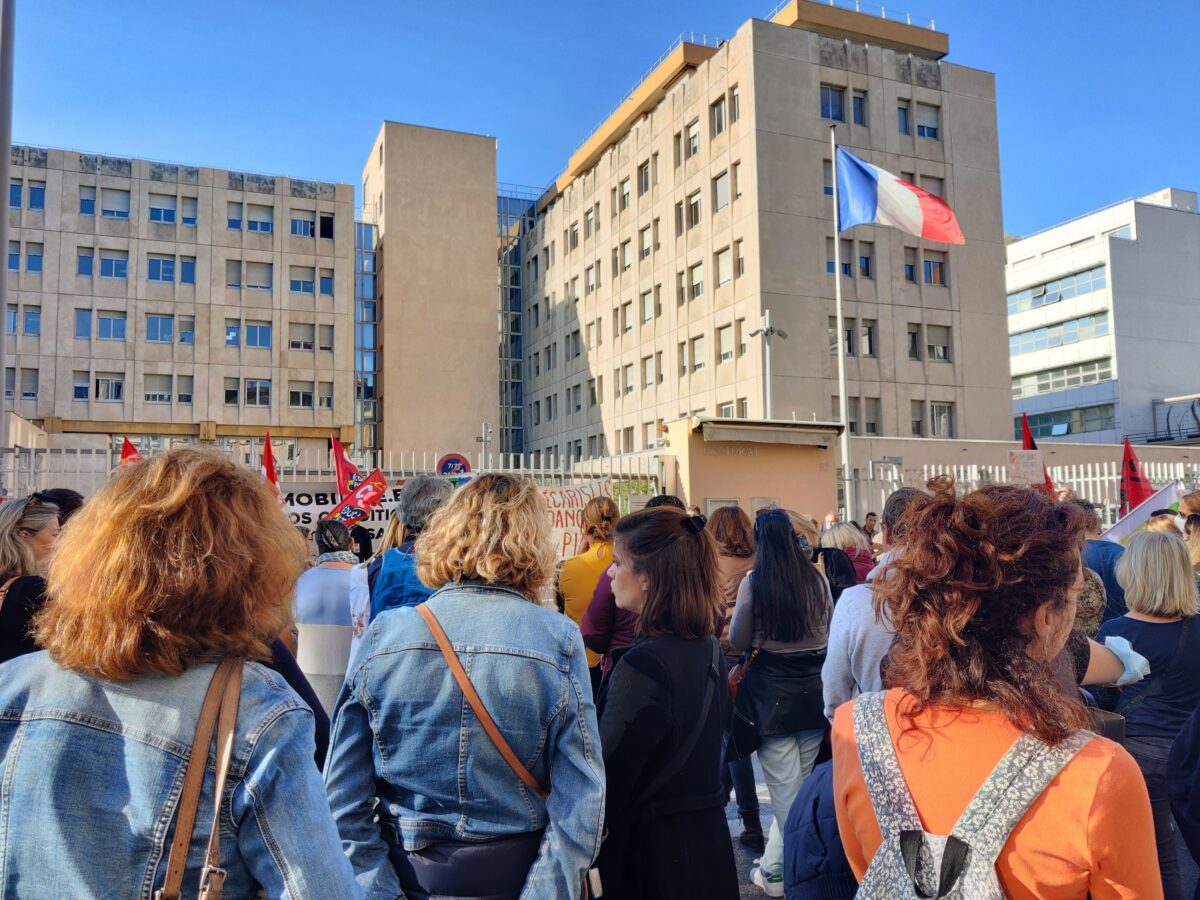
x: 755, y: 463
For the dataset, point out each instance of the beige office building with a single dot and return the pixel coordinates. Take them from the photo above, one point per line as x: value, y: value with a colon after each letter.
x: 173, y: 303
x: 702, y: 203
x: 431, y: 195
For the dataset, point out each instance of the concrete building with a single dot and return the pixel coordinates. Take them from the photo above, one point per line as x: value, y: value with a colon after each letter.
x: 702, y: 203
x: 1104, y: 321
x: 170, y: 302
x: 431, y: 195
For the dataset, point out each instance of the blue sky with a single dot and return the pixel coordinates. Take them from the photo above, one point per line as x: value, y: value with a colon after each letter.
x: 1097, y: 100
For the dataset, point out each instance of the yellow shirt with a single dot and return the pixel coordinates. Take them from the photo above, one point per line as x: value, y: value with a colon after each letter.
x: 577, y: 582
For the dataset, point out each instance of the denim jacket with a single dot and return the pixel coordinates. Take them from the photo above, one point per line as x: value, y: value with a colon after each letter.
x: 91, y: 772
x: 404, y: 733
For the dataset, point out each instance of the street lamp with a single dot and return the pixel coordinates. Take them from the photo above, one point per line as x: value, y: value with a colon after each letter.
x: 767, y: 332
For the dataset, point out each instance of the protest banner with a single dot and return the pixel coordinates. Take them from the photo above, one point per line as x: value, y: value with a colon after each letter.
x: 565, y: 505
x: 1025, y: 468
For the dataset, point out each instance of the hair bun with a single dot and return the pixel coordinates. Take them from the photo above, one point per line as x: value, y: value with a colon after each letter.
x: 695, y: 524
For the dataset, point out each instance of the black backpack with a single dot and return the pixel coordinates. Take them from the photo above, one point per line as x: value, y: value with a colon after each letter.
x: 839, y: 570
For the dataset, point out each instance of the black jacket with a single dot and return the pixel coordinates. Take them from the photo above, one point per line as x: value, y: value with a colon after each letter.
x: 814, y: 863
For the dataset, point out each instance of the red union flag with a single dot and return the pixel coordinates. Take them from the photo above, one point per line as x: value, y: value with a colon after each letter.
x: 129, y: 455
x: 1135, y: 486
x: 359, y: 503
x: 268, y: 467
x: 345, y: 473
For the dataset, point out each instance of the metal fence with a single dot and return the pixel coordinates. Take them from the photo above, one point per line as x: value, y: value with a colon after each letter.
x: 1098, y: 482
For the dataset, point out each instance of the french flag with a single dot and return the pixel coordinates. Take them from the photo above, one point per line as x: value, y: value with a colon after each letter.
x: 867, y: 194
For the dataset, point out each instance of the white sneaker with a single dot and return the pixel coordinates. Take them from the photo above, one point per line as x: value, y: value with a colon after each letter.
x: 772, y: 885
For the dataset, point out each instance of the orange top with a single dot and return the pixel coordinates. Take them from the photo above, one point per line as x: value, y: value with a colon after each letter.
x: 1090, y: 830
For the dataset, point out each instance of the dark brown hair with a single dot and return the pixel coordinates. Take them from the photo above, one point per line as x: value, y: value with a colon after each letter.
x: 679, y: 557
x: 961, y: 595
x: 733, y: 531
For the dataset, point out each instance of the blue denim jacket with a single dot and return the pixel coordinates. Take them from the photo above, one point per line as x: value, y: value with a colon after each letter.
x: 404, y: 733
x: 91, y: 776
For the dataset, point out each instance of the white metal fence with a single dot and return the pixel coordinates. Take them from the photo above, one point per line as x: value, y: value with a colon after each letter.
x: 1098, y: 482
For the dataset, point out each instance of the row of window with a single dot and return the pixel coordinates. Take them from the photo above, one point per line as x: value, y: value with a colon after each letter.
x: 1069, y: 421
x: 834, y: 108
x: 1060, y: 289
x: 161, y: 329
x: 933, y: 263
x: 862, y: 340
x: 109, y: 387
x: 168, y: 209
x: 1059, y: 335
x: 1062, y: 378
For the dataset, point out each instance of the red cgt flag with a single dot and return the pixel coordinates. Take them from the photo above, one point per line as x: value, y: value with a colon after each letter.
x: 1028, y: 443
x: 129, y: 455
x: 1135, y: 486
x: 345, y: 473
x: 364, y: 498
x: 268, y: 468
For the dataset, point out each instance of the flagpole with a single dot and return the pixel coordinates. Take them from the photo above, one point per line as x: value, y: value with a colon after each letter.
x: 843, y: 400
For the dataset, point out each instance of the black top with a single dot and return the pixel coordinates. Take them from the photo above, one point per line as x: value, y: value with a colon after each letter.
x: 25, y: 597
x: 676, y: 844
x: 362, y: 536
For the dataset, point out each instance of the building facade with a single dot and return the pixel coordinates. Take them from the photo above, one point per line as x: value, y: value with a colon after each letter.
x: 702, y: 203
x: 1103, y: 321
x: 169, y: 303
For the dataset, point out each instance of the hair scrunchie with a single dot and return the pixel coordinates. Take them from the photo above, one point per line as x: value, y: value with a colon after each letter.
x: 695, y: 524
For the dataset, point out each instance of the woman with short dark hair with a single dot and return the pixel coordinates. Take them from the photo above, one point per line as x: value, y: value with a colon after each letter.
x: 662, y: 713
x: 323, y: 612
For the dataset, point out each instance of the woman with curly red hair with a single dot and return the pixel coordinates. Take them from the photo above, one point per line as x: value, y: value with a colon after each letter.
x: 981, y: 600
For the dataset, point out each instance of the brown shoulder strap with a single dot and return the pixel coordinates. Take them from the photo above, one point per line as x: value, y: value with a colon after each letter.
x: 212, y: 876
x: 4, y: 589
x: 468, y: 689
x: 193, y: 779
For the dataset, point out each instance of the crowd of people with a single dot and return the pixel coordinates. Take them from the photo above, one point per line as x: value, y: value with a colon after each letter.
x: 968, y: 695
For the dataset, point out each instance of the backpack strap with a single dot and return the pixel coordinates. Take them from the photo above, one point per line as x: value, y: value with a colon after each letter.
x: 1020, y: 777
x: 889, y: 793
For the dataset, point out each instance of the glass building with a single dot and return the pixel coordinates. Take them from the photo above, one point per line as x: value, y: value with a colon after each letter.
x: 366, y: 369
x: 515, y: 210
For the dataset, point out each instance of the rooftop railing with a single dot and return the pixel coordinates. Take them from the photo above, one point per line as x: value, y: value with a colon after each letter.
x: 870, y: 9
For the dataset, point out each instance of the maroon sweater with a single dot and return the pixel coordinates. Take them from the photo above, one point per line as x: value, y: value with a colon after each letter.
x: 605, y: 626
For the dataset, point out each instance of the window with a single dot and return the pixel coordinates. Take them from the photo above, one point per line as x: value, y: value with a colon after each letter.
x: 14, y: 256
x: 589, y: 279
x: 739, y: 259
x: 698, y: 353
x: 657, y: 241
x: 723, y: 263
x: 304, y: 223
x: 859, y: 107
x: 724, y: 344
x: 325, y: 338
x: 114, y: 203
x: 740, y: 326
x: 232, y: 391
x: 678, y: 146
x: 643, y: 178
x: 1063, y: 378
x: 647, y: 306
x: 301, y: 335
x: 160, y: 268
x: 647, y: 371
x: 31, y: 320
x: 847, y: 256
x: 827, y: 177
x: 696, y: 280
x: 927, y: 121
x: 627, y: 439
x: 259, y: 276
x: 935, y: 268
x: 914, y: 340
x: 627, y: 378
x: 680, y: 288
x: 693, y: 139
x: 866, y: 259
x: 743, y: 408
x: 257, y: 392
x: 258, y: 334
x: 260, y: 219
x: 1057, y: 290
x: 10, y: 319
x: 627, y: 316
x: 1070, y: 332
x: 37, y: 195
x: 624, y: 193
x: 83, y: 324
x: 941, y: 419
x: 931, y: 185
x: 325, y: 226
x: 15, y: 189
x: 188, y: 215
x: 110, y: 326
x: 184, y: 384
x: 233, y: 273
x: 589, y: 223
x: 593, y: 392
x: 693, y: 209
x: 716, y: 117
x: 81, y: 385
x: 917, y: 417
x: 626, y: 255
x: 162, y: 208
x: 33, y: 257
x: 233, y: 332
x: 910, y: 264
x: 325, y: 395
x: 851, y: 412
x: 848, y: 337
x: 870, y: 415
x: 300, y: 394
x: 187, y: 270
x: 1069, y: 421
x: 736, y: 168
x: 110, y: 387
x: 574, y: 235
x: 735, y: 104
x: 644, y: 239
x: 720, y: 191
x: 158, y: 388
x: 679, y: 218
x: 938, y: 343
x: 187, y: 329
x: 302, y: 279
x: 833, y: 103
x: 114, y: 263
x: 867, y: 341
x: 87, y: 207
x: 902, y: 118
x: 233, y: 216
x: 160, y: 329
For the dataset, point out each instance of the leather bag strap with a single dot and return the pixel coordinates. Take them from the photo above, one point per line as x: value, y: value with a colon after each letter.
x: 481, y: 713
x: 4, y: 589
x: 212, y: 876
x: 193, y: 780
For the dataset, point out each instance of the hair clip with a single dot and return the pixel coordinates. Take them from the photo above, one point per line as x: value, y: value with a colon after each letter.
x: 695, y: 524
